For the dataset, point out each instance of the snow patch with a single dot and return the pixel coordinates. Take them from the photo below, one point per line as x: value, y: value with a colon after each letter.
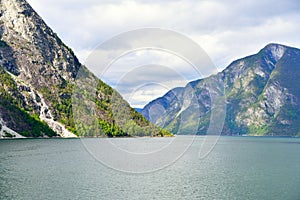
x: 277, y: 51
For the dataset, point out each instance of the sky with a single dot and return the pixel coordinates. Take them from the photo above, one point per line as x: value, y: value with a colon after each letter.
x: 225, y: 30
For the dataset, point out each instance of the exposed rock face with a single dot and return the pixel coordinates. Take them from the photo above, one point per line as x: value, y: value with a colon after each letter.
x: 38, y: 73
x: 262, y: 95
x: 34, y: 56
x: 6, y: 132
x: 35, y: 49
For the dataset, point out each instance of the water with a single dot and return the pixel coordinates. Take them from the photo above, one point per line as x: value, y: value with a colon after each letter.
x: 237, y: 168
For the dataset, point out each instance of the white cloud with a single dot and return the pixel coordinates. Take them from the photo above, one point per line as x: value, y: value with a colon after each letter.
x: 146, y: 74
x: 226, y: 30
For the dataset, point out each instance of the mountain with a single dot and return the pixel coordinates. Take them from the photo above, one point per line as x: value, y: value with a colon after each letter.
x: 38, y: 73
x: 139, y: 109
x: 261, y: 95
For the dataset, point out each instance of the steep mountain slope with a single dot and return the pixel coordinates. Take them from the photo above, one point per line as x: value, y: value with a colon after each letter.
x: 262, y: 96
x: 38, y: 73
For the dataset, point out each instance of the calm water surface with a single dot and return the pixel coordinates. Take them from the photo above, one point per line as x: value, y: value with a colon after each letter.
x: 237, y: 168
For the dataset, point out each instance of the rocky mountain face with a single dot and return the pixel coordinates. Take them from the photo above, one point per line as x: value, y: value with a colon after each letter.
x: 37, y: 72
x: 261, y: 93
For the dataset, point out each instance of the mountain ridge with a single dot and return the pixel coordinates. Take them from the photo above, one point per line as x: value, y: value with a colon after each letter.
x: 257, y: 91
x: 38, y: 73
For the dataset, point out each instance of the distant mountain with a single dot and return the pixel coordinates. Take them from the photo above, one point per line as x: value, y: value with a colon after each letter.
x: 37, y: 74
x: 262, y: 94
x: 139, y: 110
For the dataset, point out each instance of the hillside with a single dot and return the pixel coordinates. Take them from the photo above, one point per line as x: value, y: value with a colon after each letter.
x: 261, y: 93
x: 38, y: 73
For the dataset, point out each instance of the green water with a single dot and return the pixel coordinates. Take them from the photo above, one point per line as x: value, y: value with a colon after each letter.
x: 236, y: 168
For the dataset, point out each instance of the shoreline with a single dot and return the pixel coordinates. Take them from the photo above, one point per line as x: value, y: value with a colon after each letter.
x: 134, y: 137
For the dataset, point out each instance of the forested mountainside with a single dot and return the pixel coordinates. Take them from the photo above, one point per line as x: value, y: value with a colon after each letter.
x: 38, y: 72
x: 261, y: 91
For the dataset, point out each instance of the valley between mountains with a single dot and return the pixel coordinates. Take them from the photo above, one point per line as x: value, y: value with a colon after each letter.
x: 38, y: 74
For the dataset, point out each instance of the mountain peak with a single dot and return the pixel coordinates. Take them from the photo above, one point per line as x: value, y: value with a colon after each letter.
x: 39, y: 51
x: 17, y: 16
x: 37, y: 78
x: 261, y: 97
x: 276, y: 51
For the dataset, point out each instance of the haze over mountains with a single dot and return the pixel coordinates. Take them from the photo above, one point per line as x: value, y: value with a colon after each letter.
x: 38, y: 72
x: 261, y: 93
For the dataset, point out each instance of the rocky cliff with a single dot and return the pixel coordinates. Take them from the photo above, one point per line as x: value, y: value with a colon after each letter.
x: 37, y: 80
x: 261, y: 93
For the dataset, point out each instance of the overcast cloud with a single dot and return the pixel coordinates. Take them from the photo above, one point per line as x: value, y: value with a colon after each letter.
x: 225, y: 29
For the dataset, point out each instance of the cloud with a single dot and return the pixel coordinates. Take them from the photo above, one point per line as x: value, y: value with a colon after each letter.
x: 144, y: 75
x: 226, y: 30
